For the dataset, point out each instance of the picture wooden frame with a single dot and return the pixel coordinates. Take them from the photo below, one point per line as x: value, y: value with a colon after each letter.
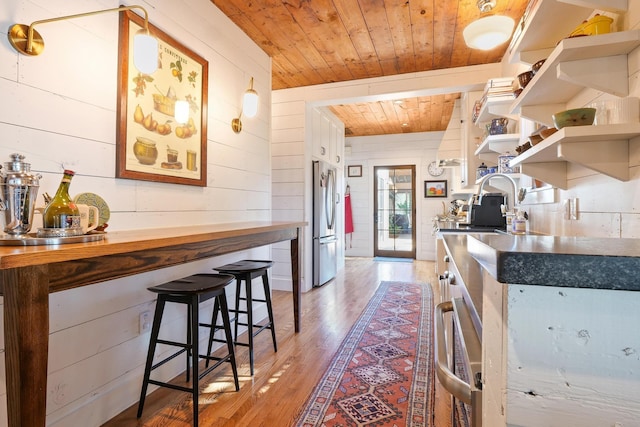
x: 150, y: 144
x: 435, y: 188
x: 354, y: 171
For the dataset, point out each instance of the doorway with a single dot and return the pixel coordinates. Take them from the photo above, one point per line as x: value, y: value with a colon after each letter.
x: 394, y: 233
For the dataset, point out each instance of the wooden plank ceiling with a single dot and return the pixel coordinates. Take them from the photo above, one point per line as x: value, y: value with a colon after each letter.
x: 422, y: 114
x: 323, y: 41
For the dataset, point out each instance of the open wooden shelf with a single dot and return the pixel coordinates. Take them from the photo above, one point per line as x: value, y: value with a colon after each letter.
x: 597, y: 62
x: 499, y: 144
x: 496, y: 106
x: 604, y: 149
x: 572, y: 64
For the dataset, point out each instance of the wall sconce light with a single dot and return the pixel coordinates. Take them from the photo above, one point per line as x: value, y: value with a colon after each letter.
x: 490, y: 31
x: 26, y: 40
x: 249, y: 107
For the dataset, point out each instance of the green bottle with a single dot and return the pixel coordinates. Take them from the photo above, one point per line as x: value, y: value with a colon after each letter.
x: 61, y: 212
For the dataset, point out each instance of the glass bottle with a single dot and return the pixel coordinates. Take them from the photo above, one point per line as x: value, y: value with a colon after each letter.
x: 61, y: 212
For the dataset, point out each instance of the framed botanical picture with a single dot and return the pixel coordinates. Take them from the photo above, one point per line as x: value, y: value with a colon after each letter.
x: 435, y: 188
x: 151, y: 145
x: 354, y: 171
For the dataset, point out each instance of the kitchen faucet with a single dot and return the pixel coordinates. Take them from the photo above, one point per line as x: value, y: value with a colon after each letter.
x: 486, y: 178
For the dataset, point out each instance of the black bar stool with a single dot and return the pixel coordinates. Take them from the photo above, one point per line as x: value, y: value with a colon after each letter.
x: 191, y: 291
x: 246, y: 271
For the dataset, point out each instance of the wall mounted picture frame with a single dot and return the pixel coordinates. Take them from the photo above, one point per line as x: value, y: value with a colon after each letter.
x: 150, y: 144
x: 354, y: 171
x: 435, y: 188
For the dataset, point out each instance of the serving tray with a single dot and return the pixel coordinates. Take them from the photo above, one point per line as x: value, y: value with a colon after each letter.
x: 31, y: 239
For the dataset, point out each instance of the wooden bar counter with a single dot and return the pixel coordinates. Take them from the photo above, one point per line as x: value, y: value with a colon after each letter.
x: 29, y: 273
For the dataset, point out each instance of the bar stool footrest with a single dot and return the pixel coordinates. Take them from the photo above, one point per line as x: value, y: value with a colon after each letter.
x: 169, y: 385
x: 168, y: 358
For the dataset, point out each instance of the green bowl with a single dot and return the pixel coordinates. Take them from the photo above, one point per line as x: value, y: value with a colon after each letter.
x: 574, y: 117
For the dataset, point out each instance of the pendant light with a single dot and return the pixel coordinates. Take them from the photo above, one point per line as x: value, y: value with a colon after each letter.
x: 489, y: 31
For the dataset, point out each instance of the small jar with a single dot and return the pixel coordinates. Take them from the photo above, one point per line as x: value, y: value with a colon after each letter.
x: 481, y: 171
x: 519, y: 223
x: 503, y: 164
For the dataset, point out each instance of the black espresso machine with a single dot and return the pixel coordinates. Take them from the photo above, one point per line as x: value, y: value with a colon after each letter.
x: 487, y: 212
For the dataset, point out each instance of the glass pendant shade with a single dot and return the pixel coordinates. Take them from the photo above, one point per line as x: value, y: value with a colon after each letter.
x: 488, y: 32
x: 250, y: 103
x: 145, y: 52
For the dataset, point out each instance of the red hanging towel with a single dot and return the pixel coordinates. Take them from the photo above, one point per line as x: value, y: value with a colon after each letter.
x: 348, y: 215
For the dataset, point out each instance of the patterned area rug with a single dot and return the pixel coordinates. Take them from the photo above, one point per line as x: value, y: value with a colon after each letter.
x: 383, y: 373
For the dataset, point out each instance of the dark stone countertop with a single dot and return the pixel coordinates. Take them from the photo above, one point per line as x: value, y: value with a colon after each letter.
x: 578, y: 262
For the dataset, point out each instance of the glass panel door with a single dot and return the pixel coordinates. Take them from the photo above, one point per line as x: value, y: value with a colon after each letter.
x: 394, y: 211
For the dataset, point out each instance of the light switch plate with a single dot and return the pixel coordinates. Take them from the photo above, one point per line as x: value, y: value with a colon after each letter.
x: 145, y: 322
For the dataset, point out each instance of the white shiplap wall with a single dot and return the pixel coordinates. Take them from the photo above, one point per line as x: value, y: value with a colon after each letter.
x: 59, y: 109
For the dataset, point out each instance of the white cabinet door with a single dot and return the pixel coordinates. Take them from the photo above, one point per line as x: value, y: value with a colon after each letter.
x: 327, y: 136
x: 320, y: 145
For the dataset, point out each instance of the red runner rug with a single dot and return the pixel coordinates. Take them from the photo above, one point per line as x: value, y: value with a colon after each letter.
x: 383, y: 372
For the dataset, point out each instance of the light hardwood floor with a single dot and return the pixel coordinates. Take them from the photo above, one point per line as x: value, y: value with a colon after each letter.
x: 283, y: 380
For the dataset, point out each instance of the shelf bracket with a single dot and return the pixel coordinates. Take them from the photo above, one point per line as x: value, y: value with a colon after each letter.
x: 608, y: 74
x: 607, y: 157
x: 501, y: 110
x: 533, y: 56
x: 542, y: 113
x: 554, y: 173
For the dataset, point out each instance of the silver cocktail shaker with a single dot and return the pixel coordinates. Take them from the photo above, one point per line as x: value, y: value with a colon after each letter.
x: 18, y: 196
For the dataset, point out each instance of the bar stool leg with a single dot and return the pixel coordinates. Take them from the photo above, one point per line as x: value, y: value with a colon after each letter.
x: 214, y: 323
x: 237, y: 311
x: 248, y: 292
x: 229, y: 337
x: 155, y: 329
x: 189, y: 347
x: 193, y: 336
x: 267, y: 297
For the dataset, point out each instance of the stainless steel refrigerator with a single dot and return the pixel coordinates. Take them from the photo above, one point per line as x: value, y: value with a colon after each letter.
x: 325, y: 241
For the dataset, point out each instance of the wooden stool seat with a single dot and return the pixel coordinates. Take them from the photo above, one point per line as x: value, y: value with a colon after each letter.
x: 245, y: 271
x: 191, y: 291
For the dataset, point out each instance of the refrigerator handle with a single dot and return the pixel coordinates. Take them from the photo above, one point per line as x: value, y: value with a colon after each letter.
x: 330, y: 199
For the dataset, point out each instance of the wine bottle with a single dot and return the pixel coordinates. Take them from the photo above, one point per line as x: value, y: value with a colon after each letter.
x: 61, y: 212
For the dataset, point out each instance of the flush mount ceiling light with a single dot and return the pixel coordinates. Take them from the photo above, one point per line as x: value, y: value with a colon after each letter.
x: 249, y: 107
x: 489, y: 31
x: 26, y: 40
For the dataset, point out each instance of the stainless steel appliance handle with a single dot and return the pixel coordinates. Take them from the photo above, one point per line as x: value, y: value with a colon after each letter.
x: 330, y: 199
x: 447, y: 378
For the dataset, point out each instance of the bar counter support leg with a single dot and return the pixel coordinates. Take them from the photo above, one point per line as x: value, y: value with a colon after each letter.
x: 26, y: 331
x: 295, y: 279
